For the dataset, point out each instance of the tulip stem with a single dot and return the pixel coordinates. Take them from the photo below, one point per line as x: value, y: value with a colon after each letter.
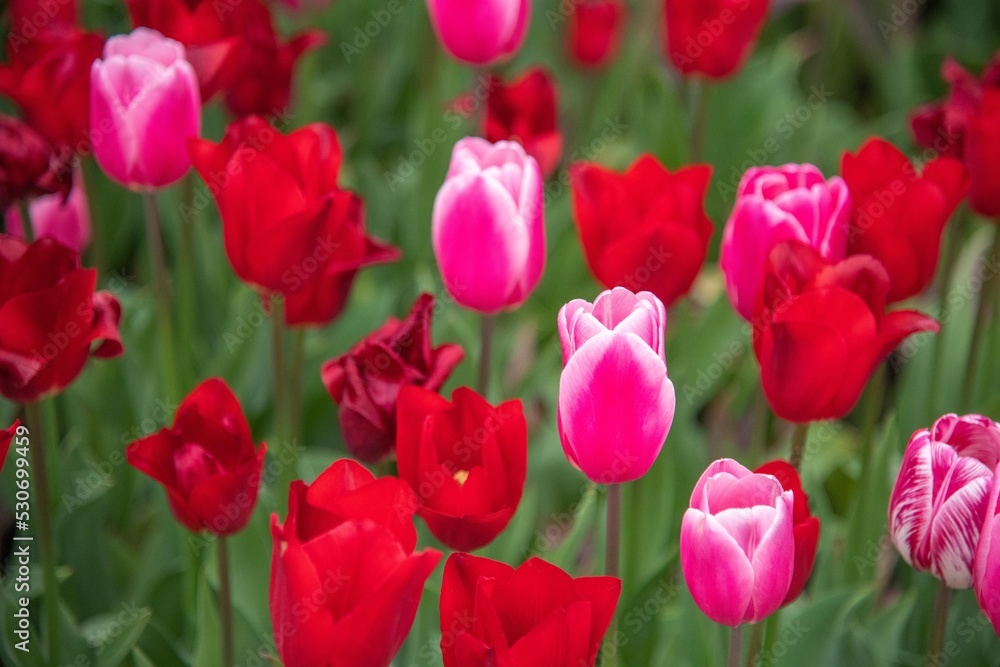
x: 186, y: 275
x: 295, y: 388
x: 485, y: 353
x: 40, y: 480
x: 756, y: 641
x: 735, y: 646
x: 225, y: 601
x: 29, y: 231
x: 939, y: 624
x: 699, y: 121
x: 983, y: 316
x: 953, y: 248
x: 161, y: 288
x: 799, y: 438
x: 612, y: 565
x: 282, y: 419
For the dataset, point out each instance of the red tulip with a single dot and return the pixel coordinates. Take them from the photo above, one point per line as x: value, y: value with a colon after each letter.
x: 645, y: 229
x: 29, y: 17
x: 466, y: 460
x: 492, y: 614
x: 349, y: 537
x: 805, y: 527
x: 49, y: 78
x: 7, y: 437
x: 595, y: 31
x: 206, y: 461
x: 526, y: 111
x: 899, y: 215
x: 50, y: 318
x: 821, y: 330
x: 288, y: 227
x: 712, y: 37
x: 365, y: 382
x: 982, y: 156
x: 28, y: 166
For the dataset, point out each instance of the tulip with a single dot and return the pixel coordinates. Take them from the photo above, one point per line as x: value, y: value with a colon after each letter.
x: 351, y: 537
x: 28, y: 166
x: 805, y: 527
x: 986, y: 565
x: 492, y: 614
x: 737, y: 544
x: 26, y: 15
x: 7, y: 437
x: 480, y: 32
x: 51, y: 319
x: 144, y: 101
x: 489, y: 225
x: 712, y: 37
x: 63, y: 218
x: 595, y: 31
x: 775, y: 204
x: 365, y: 382
x: 526, y: 111
x: 982, y: 156
x: 206, y: 461
x: 466, y: 460
x: 616, y: 403
x: 48, y: 76
x: 898, y: 215
x: 643, y: 229
x: 288, y: 227
x: 939, y: 501
x: 822, y: 331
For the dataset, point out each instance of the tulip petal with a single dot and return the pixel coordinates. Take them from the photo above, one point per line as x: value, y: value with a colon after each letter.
x: 718, y: 573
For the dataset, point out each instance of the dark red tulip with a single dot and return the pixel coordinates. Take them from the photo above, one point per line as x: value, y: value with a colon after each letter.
x: 29, y: 17
x: 804, y: 525
x: 49, y: 78
x: 595, y: 31
x: 492, y: 614
x: 288, y: 227
x: 712, y: 37
x: 51, y: 320
x: 526, y: 110
x: 28, y: 165
x: 898, y: 215
x: 645, y: 229
x: 351, y: 538
x: 206, y: 461
x: 466, y: 460
x: 821, y: 330
x: 365, y: 382
x: 7, y: 437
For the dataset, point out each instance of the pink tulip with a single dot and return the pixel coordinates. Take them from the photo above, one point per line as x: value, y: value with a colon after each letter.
x: 66, y: 220
x: 144, y: 106
x: 480, y: 31
x: 737, y: 544
x: 939, y: 501
x: 616, y: 403
x: 775, y: 204
x: 986, y: 573
x: 489, y: 225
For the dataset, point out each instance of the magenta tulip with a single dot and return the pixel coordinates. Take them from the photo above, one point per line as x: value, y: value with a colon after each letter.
x: 144, y: 106
x: 939, y: 501
x: 775, y: 204
x: 489, y: 225
x: 616, y: 403
x: 986, y: 572
x: 737, y: 544
x: 480, y: 31
x: 65, y: 219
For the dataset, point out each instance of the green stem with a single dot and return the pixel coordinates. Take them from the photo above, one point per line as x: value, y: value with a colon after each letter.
x: 799, y: 438
x: 225, y: 601
x: 161, y: 287
x: 983, y: 317
x: 40, y: 480
x: 295, y: 393
x: 756, y: 640
x: 953, y: 248
x: 29, y: 231
x: 874, y: 403
x: 939, y: 624
x: 735, y: 646
x: 186, y: 267
x: 612, y: 564
x: 485, y: 353
x: 699, y: 121
x: 282, y: 396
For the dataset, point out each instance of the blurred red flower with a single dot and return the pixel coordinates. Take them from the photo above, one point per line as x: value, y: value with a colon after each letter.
x: 28, y: 165
x: 712, y: 37
x: 526, y: 111
x: 28, y: 17
x: 595, y: 31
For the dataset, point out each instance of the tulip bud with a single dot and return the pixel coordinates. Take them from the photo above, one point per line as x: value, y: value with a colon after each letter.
x: 712, y: 37
x: 489, y: 225
x: 595, y: 31
x: 939, y: 501
x: 65, y: 219
x: 737, y: 544
x: 480, y: 32
x: 616, y: 403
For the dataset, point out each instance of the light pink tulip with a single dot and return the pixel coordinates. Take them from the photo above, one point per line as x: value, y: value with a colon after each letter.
x: 65, y: 220
x: 144, y: 106
x: 939, y: 502
x: 737, y: 544
x: 489, y: 225
x: 775, y: 204
x: 616, y: 403
x: 480, y: 31
x: 986, y: 571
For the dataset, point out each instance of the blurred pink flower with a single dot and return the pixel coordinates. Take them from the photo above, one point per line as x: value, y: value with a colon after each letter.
x: 64, y: 219
x: 480, y: 31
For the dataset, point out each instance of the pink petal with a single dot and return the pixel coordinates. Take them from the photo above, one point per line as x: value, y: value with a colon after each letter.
x: 718, y: 573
